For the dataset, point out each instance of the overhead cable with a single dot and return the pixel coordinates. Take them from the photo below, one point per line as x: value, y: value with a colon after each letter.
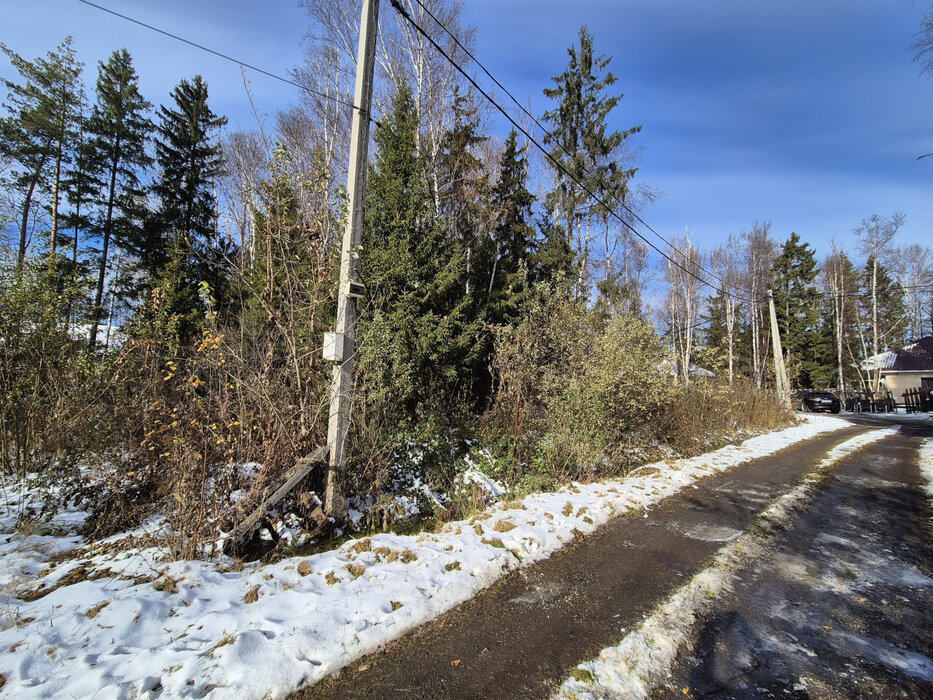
x: 549, y: 134
x: 201, y: 47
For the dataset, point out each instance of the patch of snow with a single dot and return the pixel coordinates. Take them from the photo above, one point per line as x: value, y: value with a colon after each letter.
x: 926, y: 466
x: 136, y: 625
x: 487, y: 483
x: 645, y: 656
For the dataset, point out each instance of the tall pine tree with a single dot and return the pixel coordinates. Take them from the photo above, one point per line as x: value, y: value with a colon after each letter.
x: 119, y: 130
x: 183, y: 249
x: 40, y: 133
x: 797, y: 302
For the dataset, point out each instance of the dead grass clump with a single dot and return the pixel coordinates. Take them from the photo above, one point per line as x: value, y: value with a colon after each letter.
x: 386, y: 554
x: 228, y: 638
x: 568, y: 509
x: 166, y: 584
x: 493, y: 542
x: 252, y: 595
x: 331, y: 578
x: 504, y: 526
x: 356, y: 570
x: 395, y: 605
x: 452, y: 566
x: 92, y: 613
x: 360, y: 546
x: 304, y: 568
x: 408, y: 556
x: 76, y: 575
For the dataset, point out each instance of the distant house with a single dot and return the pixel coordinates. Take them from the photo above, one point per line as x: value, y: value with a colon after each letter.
x: 907, y: 367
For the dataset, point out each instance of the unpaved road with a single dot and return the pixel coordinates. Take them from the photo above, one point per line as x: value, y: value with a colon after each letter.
x: 843, y: 606
x: 524, y: 635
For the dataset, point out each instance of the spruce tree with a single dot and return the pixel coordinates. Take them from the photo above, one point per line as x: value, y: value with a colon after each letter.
x: 797, y: 303
x: 182, y: 249
x: 585, y: 148
x: 464, y: 194
x: 119, y: 130
x: 418, y: 337
x: 514, y: 236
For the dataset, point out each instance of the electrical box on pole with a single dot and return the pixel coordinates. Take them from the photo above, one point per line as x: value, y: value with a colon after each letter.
x: 339, y: 346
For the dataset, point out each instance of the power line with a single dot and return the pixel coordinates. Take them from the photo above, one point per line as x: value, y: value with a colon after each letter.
x: 237, y: 61
x: 549, y: 134
x: 401, y: 10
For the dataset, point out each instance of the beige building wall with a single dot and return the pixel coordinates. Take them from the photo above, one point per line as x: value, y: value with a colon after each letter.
x: 899, y: 382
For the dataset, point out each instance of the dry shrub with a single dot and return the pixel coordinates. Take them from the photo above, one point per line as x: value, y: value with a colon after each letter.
x: 251, y: 389
x: 577, y: 390
x: 51, y: 411
x: 709, y: 413
x: 583, y: 394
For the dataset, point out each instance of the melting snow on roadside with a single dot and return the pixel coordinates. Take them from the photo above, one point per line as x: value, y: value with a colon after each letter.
x: 134, y: 625
x: 646, y: 655
x: 926, y: 466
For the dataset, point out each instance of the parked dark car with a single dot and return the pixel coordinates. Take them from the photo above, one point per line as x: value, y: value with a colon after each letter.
x: 817, y: 401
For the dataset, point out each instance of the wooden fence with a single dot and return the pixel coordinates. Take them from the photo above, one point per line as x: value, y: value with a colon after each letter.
x: 917, y: 401
x: 867, y: 402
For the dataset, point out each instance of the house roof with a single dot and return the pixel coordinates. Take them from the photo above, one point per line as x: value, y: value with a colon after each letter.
x: 915, y: 357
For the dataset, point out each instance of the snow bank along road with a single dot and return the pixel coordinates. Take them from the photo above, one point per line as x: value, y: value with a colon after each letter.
x: 523, y: 636
x: 80, y: 621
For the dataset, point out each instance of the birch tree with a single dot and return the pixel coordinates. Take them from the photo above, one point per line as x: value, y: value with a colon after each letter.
x: 840, y: 284
x: 913, y: 267
x: 759, y: 252
x: 683, y: 302
x: 726, y: 265
x: 875, y: 236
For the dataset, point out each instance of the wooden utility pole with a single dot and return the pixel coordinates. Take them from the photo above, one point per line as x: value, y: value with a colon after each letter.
x: 780, y: 373
x: 340, y: 346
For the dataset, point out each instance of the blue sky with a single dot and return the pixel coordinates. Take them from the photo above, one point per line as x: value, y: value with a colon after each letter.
x: 807, y: 114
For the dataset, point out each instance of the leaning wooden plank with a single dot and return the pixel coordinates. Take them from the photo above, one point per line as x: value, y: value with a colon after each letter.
x: 301, y: 469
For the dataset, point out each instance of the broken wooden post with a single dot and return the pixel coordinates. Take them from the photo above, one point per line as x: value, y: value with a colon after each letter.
x: 245, y: 522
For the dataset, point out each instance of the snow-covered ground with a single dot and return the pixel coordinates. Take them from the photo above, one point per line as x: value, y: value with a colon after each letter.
x: 633, y: 667
x: 131, y: 624
x: 900, y: 416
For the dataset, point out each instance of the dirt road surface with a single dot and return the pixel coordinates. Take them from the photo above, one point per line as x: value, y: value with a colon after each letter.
x: 523, y: 636
x: 843, y: 606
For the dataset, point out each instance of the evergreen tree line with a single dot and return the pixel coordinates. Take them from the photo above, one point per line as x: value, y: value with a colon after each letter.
x: 502, y: 303
x: 832, y: 316
x: 110, y: 199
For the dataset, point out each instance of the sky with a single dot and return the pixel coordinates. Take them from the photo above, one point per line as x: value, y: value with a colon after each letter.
x: 806, y: 114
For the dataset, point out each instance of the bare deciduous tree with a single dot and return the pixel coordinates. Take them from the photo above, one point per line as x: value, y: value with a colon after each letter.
x: 875, y: 235
x: 913, y: 267
x: 759, y: 254
x: 726, y: 264
x: 683, y: 302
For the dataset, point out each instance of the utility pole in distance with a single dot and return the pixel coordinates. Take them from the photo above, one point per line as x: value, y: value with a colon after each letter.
x: 340, y: 346
x: 780, y: 372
